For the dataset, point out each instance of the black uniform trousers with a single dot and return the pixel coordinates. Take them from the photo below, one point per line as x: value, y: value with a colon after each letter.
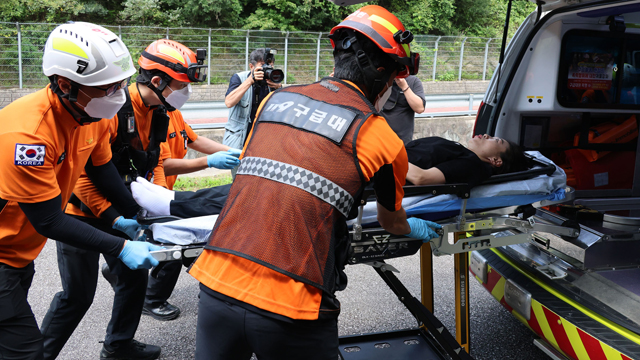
x: 79, y: 276
x: 20, y: 338
x: 229, y: 331
x: 186, y: 204
x: 199, y: 203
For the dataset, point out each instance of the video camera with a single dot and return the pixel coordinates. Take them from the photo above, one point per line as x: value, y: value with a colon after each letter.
x: 275, y: 75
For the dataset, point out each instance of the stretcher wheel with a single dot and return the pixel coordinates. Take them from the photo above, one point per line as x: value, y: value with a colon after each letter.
x: 571, y: 224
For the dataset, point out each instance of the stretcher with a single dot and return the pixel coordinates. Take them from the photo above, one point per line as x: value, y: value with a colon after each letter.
x: 501, y: 203
x: 470, y: 218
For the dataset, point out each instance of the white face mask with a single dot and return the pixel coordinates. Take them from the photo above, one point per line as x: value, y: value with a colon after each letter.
x: 105, y: 107
x: 382, y: 99
x: 177, y: 98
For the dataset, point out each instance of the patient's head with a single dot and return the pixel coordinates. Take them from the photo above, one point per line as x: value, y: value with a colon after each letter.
x: 503, y: 155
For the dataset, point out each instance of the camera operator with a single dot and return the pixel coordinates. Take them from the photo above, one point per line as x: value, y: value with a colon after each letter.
x: 246, y: 90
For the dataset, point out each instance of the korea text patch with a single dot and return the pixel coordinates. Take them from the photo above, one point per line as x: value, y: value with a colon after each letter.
x: 29, y: 155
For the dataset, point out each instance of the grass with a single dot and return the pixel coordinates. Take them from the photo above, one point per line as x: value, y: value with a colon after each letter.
x: 185, y: 183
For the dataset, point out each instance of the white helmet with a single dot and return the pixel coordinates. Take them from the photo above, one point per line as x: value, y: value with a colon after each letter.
x: 87, y: 54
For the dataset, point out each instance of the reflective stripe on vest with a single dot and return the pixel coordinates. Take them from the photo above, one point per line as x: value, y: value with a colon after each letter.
x: 319, y: 186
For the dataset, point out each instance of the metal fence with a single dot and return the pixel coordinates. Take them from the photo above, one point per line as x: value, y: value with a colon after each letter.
x: 304, y: 56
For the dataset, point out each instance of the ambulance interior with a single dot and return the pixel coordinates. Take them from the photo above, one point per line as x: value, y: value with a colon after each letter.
x: 576, y: 99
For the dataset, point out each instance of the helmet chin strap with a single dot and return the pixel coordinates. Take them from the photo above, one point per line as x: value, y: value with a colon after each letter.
x: 374, y: 80
x: 158, y: 93
x: 145, y: 78
x: 72, y: 97
x: 84, y: 119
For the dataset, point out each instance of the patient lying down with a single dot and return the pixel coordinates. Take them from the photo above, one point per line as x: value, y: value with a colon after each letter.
x: 432, y: 160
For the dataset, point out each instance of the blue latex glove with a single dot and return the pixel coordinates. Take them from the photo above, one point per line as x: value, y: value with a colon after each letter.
x: 423, y: 229
x: 127, y: 226
x: 135, y: 255
x: 223, y: 160
x: 235, y: 152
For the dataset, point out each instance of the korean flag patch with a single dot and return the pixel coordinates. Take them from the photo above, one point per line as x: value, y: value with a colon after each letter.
x: 30, y: 155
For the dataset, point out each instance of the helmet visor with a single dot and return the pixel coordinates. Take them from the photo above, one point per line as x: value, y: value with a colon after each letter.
x: 197, y: 73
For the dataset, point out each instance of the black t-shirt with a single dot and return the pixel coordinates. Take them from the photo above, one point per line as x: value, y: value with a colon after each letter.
x: 457, y: 163
x: 399, y: 113
x: 255, y: 103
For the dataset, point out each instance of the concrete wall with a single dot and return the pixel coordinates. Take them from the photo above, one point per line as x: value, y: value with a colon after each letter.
x: 9, y: 95
x: 216, y: 92
x: 454, y: 87
x: 453, y: 128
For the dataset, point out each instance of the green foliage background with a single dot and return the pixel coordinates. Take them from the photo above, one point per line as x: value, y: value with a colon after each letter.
x: 483, y: 18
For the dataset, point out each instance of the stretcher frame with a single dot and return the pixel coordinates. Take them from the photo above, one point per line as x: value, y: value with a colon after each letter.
x: 468, y: 232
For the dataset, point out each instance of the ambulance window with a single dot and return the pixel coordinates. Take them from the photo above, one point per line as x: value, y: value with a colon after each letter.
x: 589, y: 67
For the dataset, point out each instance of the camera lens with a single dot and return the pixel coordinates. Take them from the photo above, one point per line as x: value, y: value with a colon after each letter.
x: 276, y: 75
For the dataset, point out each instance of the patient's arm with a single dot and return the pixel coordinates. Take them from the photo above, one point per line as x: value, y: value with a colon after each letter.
x: 394, y: 222
x: 429, y: 176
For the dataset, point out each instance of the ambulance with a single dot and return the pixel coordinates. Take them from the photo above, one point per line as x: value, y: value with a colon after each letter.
x: 568, y: 86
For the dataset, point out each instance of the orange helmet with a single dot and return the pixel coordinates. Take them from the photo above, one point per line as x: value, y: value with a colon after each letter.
x: 175, y: 60
x: 385, y: 30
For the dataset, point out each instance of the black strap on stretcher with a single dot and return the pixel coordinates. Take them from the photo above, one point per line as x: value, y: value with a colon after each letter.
x: 461, y: 190
x: 423, y: 315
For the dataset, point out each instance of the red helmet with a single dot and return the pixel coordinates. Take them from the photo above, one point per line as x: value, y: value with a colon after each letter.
x: 386, y: 31
x: 174, y: 59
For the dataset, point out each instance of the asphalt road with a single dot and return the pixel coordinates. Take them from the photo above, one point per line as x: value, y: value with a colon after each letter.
x: 368, y: 306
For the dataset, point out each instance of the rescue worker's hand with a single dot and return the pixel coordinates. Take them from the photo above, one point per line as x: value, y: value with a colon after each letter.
x: 235, y: 152
x: 223, y: 160
x: 127, y: 226
x: 423, y: 229
x: 135, y: 255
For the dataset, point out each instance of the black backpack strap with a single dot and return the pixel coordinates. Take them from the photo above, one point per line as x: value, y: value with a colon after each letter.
x: 159, y: 127
x: 127, y: 128
x: 130, y: 160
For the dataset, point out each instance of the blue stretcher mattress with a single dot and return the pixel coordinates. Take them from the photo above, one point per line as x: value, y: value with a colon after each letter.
x: 483, y: 197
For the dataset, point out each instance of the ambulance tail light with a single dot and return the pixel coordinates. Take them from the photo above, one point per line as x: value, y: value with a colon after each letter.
x: 475, y: 123
x: 481, y: 125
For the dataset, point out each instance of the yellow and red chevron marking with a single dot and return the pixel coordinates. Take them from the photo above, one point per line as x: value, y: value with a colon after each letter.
x: 557, y: 331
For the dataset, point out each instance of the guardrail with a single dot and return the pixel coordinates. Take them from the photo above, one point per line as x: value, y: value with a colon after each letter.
x: 304, y: 56
x: 433, y: 101
x: 471, y: 99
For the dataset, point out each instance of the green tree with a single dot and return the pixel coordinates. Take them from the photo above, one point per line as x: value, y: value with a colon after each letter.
x: 54, y: 11
x: 292, y: 15
x: 485, y: 18
x: 482, y: 18
x: 143, y: 12
x: 205, y: 13
x: 422, y: 16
